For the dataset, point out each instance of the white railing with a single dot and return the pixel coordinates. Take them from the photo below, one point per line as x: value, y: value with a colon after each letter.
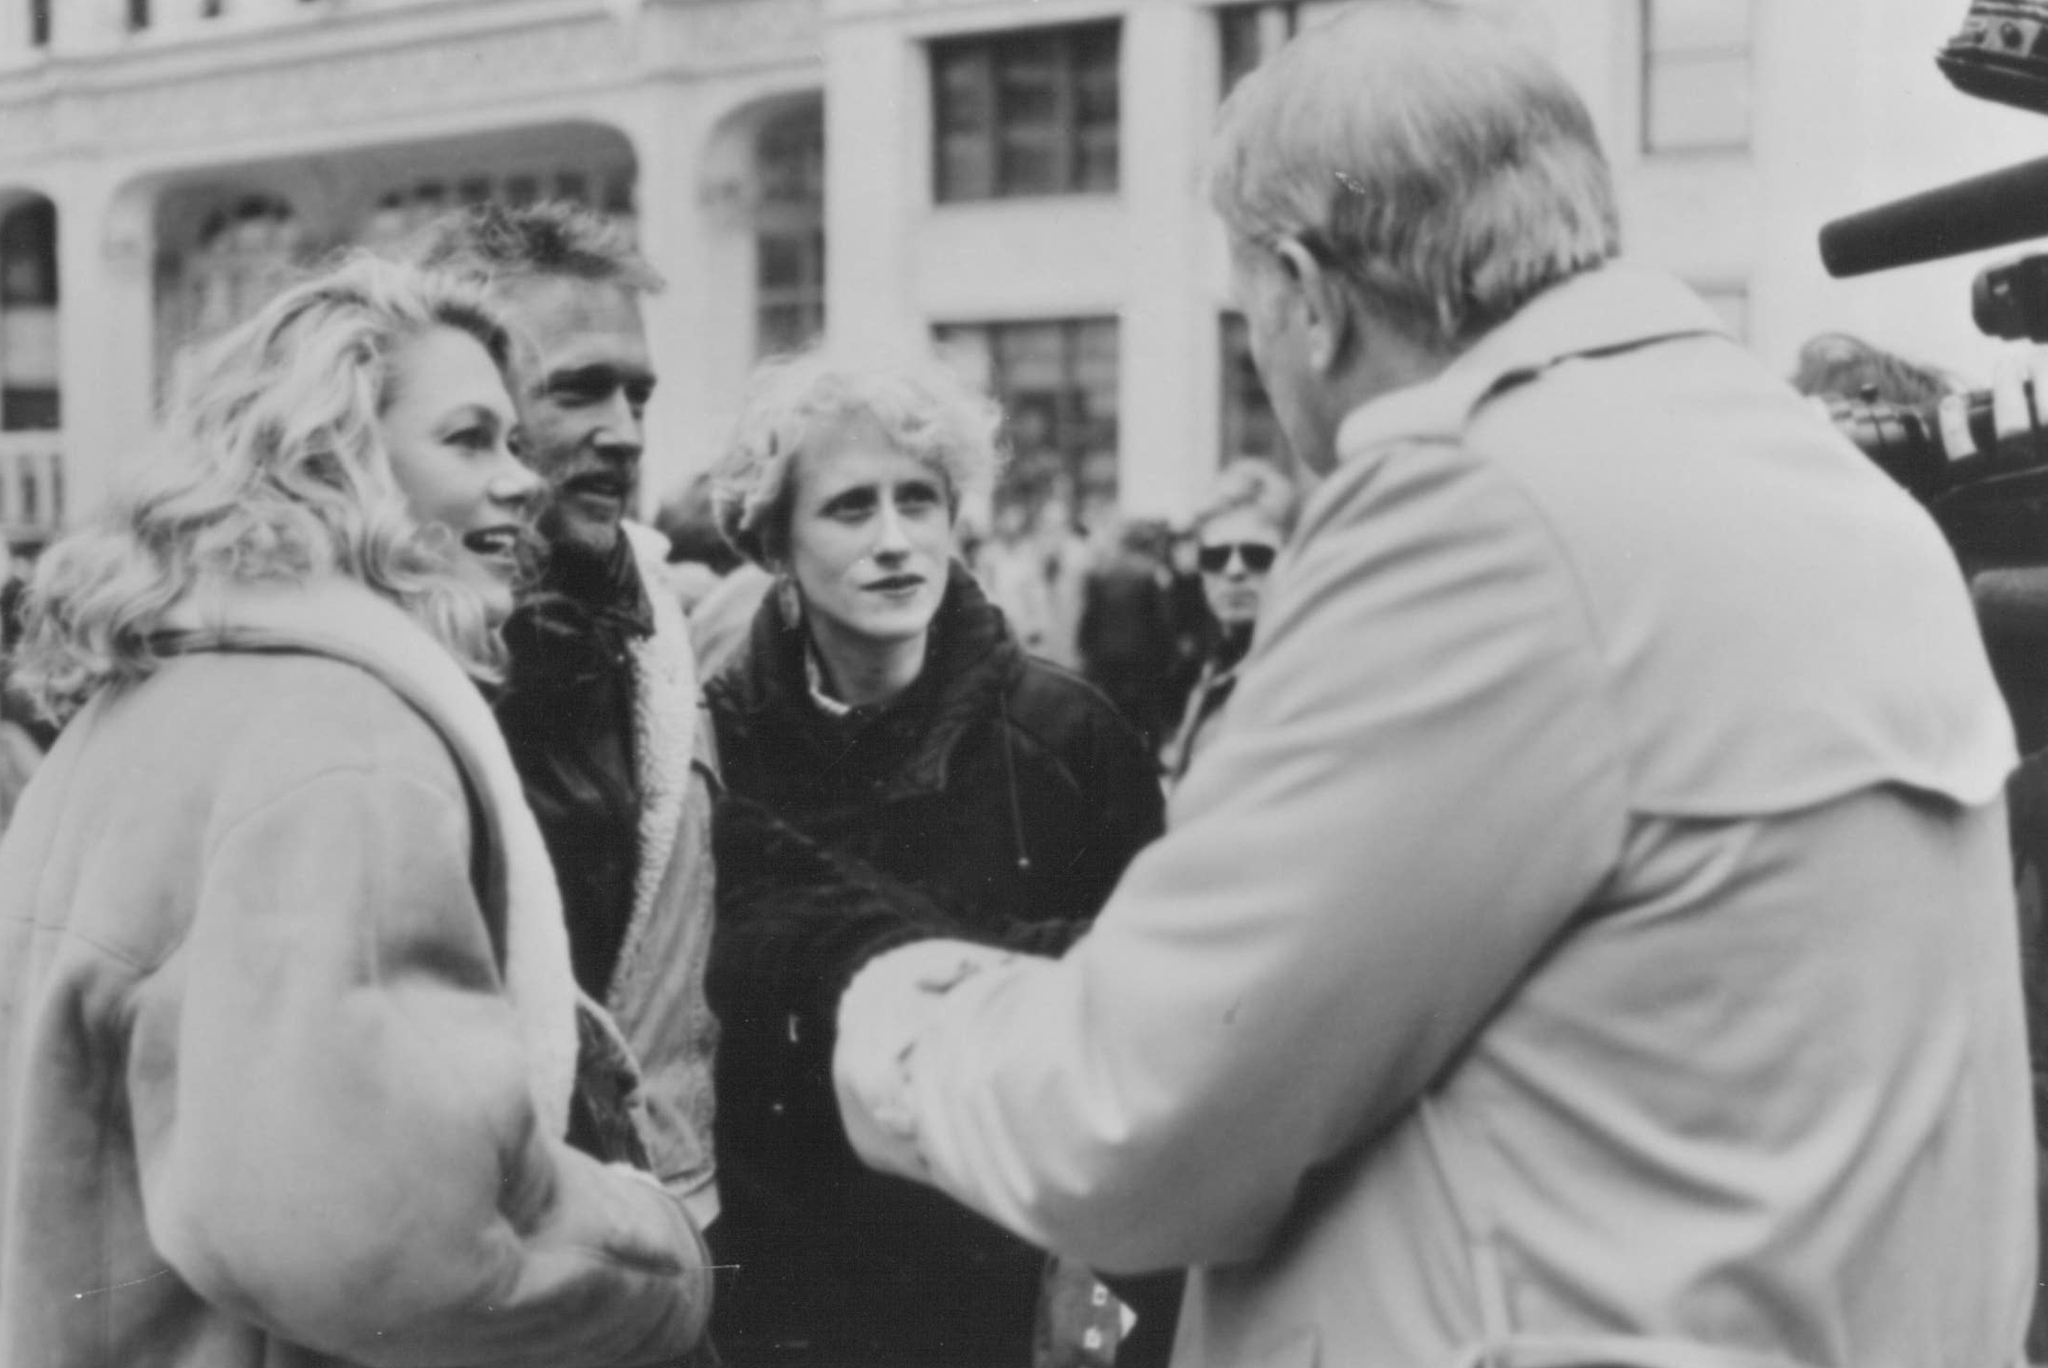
x: 31, y: 485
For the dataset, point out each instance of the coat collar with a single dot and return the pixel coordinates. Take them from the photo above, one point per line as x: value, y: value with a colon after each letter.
x: 1616, y: 308
x: 971, y: 660
x: 342, y: 619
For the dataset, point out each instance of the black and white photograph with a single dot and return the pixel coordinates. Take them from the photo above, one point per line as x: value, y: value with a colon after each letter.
x: 1023, y: 683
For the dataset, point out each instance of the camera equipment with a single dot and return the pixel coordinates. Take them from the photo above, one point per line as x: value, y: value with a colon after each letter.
x: 1940, y: 448
x: 1970, y: 215
x: 1990, y: 494
x: 2011, y: 301
x: 1984, y: 490
x: 2001, y: 53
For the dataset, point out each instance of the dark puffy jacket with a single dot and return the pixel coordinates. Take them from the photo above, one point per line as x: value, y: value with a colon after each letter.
x: 998, y: 799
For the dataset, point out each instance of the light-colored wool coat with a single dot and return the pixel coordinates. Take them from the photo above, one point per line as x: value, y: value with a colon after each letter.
x: 286, y: 1065
x: 1591, y: 921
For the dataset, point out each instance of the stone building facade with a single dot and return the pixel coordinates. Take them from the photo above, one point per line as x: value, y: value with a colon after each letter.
x: 1016, y: 182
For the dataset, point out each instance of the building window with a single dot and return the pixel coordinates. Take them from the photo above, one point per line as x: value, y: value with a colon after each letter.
x: 1026, y: 113
x: 1696, y: 75
x: 789, y: 229
x: 1731, y: 301
x: 1057, y: 384
x: 28, y: 318
x: 39, y: 23
x: 237, y: 252
x: 1249, y: 426
x: 1248, y: 34
x: 245, y: 254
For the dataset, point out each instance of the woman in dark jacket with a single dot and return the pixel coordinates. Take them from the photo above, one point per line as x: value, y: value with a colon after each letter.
x: 897, y: 768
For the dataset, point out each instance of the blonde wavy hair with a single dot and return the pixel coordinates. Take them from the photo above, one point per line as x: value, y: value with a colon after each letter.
x: 273, y: 467
x: 923, y: 407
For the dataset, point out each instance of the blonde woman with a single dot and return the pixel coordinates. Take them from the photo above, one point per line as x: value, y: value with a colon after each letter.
x: 287, y: 1026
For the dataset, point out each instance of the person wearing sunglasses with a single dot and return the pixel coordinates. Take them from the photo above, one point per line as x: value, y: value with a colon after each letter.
x: 1239, y: 533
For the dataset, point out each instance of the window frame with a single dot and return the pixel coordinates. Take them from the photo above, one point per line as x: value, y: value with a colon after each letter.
x: 966, y: 71
x: 789, y: 217
x: 1071, y: 416
x: 1256, y: 11
x: 1653, y: 61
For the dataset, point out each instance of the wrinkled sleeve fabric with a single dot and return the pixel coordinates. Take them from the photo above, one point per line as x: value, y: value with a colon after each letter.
x: 1414, y: 791
x: 345, y: 1153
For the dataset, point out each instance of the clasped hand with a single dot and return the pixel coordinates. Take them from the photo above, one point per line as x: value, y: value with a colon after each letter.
x: 883, y: 1012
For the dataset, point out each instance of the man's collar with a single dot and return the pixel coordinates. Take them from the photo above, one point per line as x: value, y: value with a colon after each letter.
x: 1610, y: 309
x: 608, y: 585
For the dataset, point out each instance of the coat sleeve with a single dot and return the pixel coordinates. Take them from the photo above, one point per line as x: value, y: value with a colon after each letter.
x: 1417, y: 791
x: 796, y: 920
x: 345, y: 1153
x: 1127, y: 806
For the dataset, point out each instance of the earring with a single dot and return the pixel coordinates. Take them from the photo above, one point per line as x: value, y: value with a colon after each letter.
x: 788, y: 601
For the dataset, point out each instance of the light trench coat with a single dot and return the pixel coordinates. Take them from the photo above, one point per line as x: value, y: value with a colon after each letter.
x: 1592, y: 919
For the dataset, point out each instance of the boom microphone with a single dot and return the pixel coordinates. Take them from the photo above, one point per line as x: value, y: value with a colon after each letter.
x: 1991, y: 210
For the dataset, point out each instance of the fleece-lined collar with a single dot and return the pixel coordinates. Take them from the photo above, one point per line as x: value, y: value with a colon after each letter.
x: 340, y: 618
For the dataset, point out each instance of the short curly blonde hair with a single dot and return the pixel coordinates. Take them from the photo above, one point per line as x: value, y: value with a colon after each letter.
x: 926, y: 410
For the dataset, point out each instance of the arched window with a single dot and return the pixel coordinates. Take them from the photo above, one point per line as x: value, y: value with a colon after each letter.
x: 230, y: 254
x: 789, y: 229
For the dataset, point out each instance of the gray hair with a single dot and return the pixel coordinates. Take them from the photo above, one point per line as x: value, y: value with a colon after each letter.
x: 925, y: 409
x: 1428, y: 155
x: 492, y: 243
x: 1250, y: 483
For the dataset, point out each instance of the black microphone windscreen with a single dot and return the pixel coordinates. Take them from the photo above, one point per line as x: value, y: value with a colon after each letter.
x: 1991, y: 210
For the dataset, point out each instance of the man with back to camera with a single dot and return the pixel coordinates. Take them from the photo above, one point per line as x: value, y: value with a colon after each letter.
x: 600, y: 704
x: 1589, y: 937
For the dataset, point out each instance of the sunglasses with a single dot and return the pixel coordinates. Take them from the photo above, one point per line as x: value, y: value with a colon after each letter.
x: 1258, y: 557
